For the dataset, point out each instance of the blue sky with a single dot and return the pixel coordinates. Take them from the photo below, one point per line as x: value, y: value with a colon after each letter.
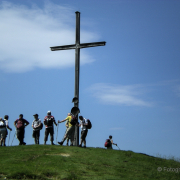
x: 129, y: 89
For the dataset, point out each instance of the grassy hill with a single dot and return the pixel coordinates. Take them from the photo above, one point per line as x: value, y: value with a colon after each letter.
x: 61, y: 162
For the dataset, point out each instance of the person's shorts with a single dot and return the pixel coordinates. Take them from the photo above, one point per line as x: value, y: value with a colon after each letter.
x: 84, y: 134
x: 36, y: 134
x: 2, y: 132
x: 70, y: 132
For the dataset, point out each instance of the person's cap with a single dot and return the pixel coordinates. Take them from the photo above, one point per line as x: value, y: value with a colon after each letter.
x: 21, y: 115
x: 81, y: 117
x: 6, y: 117
x: 35, y: 115
x: 49, y: 112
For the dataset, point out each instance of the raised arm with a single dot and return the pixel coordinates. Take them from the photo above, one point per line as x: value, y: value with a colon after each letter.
x: 62, y: 121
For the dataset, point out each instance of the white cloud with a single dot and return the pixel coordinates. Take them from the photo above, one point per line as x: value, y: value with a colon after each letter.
x: 26, y: 34
x: 120, y: 95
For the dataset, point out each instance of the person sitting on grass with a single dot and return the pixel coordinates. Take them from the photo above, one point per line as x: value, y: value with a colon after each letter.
x: 111, y: 143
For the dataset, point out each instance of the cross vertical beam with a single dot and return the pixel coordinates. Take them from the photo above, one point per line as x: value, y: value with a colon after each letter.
x: 77, y: 46
x: 77, y: 71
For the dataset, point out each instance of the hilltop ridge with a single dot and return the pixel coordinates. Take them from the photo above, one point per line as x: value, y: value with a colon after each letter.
x: 63, y: 162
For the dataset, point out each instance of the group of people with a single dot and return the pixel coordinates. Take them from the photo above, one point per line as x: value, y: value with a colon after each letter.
x: 48, y: 122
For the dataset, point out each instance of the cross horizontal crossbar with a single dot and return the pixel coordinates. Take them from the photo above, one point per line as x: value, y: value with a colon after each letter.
x: 74, y: 46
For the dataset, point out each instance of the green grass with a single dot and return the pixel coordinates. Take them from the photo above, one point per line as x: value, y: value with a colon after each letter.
x: 50, y: 162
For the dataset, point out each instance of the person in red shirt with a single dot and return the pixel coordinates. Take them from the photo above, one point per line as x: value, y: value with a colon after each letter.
x: 20, y: 125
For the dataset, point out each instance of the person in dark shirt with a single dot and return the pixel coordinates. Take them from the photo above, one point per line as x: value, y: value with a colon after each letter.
x: 20, y: 125
x: 49, y: 120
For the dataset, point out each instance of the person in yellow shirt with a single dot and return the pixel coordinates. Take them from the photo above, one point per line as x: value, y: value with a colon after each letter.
x: 70, y: 131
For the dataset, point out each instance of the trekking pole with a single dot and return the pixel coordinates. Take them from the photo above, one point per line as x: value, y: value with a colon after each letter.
x: 13, y: 138
x: 54, y: 129
x: 117, y: 146
x: 9, y: 137
x: 57, y: 132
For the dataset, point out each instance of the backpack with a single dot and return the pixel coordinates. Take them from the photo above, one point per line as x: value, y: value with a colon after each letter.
x: 2, y: 123
x: 89, y: 126
x: 107, y: 143
x: 41, y: 126
x: 73, y: 121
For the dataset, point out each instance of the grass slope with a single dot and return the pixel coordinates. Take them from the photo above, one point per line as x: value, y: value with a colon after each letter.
x: 61, y: 162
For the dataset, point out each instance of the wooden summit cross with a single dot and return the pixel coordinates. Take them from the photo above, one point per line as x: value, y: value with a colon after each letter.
x: 77, y: 46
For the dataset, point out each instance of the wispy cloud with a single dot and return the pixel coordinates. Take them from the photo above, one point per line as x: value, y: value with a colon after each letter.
x: 177, y: 91
x: 131, y: 95
x: 26, y: 34
x: 116, y: 128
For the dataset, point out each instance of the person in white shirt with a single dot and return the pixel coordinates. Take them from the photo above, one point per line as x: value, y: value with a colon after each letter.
x: 6, y: 117
x: 36, y: 125
x: 83, y: 124
x: 2, y: 131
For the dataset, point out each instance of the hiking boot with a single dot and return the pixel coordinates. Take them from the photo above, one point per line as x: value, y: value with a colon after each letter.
x: 24, y: 143
x: 84, y: 146
x: 61, y: 143
x: 80, y: 145
x: 67, y: 144
x: 71, y: 144
x: 52, y: 144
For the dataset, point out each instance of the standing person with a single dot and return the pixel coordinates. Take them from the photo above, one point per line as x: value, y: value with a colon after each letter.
x: 20, y: 125
x: 48, y: 122
x: 70, y: 131
x: 6, y: 117
x: 36, y: 125
x: 67, y: 126
x: 111, y: 143
x: 2, y: 131
x: 83, y: 124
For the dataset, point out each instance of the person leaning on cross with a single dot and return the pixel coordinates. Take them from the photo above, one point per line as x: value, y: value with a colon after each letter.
x: 70, y: 131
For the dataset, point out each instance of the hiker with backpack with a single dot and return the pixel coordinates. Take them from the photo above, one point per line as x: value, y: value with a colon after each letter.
x: 71, y: 120
x: 20, y: 125
x: 37, y: 126
x: 6, y: 117
x: 109, y: 143
x: 49, y: 120
x: 84, y: 130
x: 2, y: 131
